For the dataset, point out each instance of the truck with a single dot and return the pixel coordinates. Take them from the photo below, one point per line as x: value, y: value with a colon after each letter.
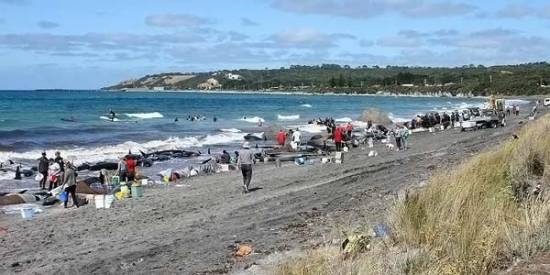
x: 488, y: 118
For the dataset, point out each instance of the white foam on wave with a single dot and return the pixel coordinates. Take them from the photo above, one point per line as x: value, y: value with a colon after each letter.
x: 255, y: 119
x: 288, y: 117
x: 222, y: 138
x: 306, y: 105
x: 145, y: 115
x: 108, y: 118
x: 113, y: 152
x: 343, y: 119
x: 230, y: 130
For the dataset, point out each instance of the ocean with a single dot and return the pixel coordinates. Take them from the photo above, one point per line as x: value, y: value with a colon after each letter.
x: 31, y: 121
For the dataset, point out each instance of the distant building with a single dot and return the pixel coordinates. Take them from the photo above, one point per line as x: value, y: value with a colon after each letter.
x: 407, y: 85
x: 158, y: 88
x: 232, y: 76
x: 209, y: 84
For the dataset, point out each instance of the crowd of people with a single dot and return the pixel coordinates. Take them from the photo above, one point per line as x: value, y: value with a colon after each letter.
x: 57, y: 172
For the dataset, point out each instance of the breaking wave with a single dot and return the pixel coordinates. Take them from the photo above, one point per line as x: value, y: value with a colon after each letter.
x: 289, y: 117
x: 145, y: 115
x: 230, y: 130
x: 344, y: 119
x: 112, y: 152
x: 255, y: 119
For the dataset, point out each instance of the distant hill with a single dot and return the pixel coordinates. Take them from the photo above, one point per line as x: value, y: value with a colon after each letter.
x: 523, y: 79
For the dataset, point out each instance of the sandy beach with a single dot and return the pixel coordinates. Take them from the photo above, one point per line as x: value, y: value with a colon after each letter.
x: 194, y: 228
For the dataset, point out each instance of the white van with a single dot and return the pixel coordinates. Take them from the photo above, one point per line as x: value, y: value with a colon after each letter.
x: 547, y: 101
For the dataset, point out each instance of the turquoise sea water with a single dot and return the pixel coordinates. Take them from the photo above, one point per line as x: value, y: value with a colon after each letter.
x: 31, y: 121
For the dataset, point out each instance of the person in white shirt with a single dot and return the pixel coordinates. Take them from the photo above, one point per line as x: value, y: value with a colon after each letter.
x: 296, y: 139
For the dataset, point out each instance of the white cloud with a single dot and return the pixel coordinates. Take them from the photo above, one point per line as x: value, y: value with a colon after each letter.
x: 307, y: 38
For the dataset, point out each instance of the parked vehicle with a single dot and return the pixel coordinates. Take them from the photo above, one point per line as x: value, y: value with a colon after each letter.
x: 546, y: 101
x: 487, y: 119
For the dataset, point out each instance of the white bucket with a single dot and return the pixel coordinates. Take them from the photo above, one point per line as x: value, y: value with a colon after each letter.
x: 27, y: 213
x: 99, y: 201
x: 109, y: 200
x: 346, y: 149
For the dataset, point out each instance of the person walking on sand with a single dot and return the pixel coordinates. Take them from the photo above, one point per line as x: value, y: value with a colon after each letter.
x: 70, y: 184
x: 245, y: 160
x: 43, y: 169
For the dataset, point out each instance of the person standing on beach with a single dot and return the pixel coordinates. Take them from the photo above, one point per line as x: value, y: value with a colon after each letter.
x: 59, y: 160
x: 397, y: 135
x: 281, y: 138
x: 53, y: 174
x: 349, y: 130
x: 122, y: 169
x: 337, y: 136
x: 43, y: 169
x: 70, y: 183
x: 130, y: 168
x: 404, y: 138
x: 245, y: 160
x: 296, y: 139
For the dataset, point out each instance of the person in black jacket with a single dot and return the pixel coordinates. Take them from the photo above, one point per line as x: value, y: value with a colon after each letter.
x: 43, y: 169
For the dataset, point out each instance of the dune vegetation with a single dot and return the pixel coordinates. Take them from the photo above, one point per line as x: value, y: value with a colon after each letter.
x: 490, y: 211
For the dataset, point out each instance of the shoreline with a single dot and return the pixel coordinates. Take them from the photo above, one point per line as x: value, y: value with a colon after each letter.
x: 194, y: 228
x: 292, y: 93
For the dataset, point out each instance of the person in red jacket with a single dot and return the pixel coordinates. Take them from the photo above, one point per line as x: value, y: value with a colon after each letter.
x: 349, y: 130
x: 281, y: 137
x: 130, y: 167
x: 337, y: 135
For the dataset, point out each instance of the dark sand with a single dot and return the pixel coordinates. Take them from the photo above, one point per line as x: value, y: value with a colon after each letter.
x: 194, y: 229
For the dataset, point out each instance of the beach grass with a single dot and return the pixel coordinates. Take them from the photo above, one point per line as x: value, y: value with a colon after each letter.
x: 474, y: 219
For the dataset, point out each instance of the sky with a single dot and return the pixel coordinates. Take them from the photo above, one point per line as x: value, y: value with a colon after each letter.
x: 95, y: 43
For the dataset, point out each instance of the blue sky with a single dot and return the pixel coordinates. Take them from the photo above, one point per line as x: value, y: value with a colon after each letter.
x: 90, y: 44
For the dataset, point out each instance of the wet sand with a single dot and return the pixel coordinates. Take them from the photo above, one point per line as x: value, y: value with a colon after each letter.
x: 194, y: 229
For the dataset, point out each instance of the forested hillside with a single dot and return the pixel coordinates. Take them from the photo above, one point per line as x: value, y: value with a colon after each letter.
x: 524, y: 79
